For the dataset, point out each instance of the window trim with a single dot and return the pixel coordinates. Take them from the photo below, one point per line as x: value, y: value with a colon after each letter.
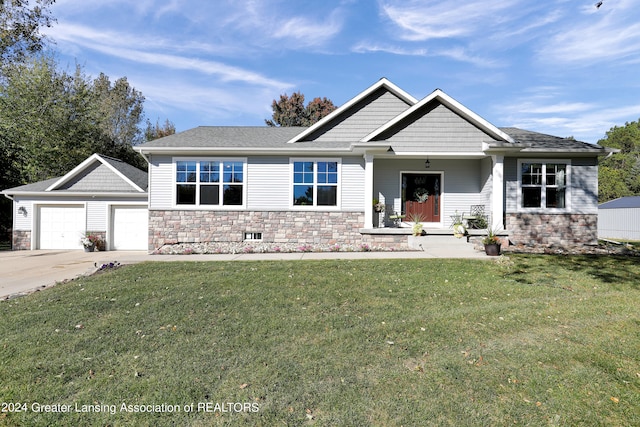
x: 543, y: 196
x: 315, y: 206
x: 197, y: 205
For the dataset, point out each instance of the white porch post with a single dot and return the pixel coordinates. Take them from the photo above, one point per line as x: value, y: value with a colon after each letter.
x: 497, y: 199
x: 368, y: 191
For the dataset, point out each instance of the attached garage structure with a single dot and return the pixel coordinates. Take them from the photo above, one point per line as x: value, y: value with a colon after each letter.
x: 102, y: 195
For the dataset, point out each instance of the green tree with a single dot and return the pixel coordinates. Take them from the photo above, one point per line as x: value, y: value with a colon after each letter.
x: 157, y: 131
x: 619, y: 175
x: 290, y: 110
x: 20, y: 23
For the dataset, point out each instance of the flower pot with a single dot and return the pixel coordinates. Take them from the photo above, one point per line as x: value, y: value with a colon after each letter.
x: 89, y: 248
x: 492, y: 249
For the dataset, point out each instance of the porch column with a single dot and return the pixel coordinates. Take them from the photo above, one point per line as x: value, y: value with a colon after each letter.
x: 497, y: 193
x: 368, y: 191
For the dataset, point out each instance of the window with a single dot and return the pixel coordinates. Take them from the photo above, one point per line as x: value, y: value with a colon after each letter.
x: 315, y: 183
x: 249, y: 235
x: 544, y: 185
x: 209, y: 183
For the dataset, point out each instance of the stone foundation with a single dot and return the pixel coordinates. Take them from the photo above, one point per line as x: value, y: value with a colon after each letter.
x: 21, y: 240
x: 312, y: 228
x: 547, y: 230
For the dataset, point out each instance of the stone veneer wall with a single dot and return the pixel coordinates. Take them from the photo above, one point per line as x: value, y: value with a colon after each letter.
x: 562, y: 230
x: 21, y: 240
x: 171, y: 227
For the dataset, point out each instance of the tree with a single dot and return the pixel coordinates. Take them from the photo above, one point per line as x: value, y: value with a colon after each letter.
x: 20, y: 22
x: 156, y: 131
x: 619, y: 175
x: 291, y: 111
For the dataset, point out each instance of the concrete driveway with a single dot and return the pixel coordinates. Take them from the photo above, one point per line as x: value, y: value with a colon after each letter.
x: 26, y: 271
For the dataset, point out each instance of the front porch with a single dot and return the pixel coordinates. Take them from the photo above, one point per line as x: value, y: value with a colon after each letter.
x: 430, y: 240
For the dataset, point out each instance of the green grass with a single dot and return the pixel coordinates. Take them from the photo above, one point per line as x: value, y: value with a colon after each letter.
x: 537, y: 340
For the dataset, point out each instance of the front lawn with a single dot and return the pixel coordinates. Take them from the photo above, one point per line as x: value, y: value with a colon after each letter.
x: 530, y: 340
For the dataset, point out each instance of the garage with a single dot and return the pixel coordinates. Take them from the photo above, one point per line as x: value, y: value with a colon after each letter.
x: 129, y: 228
x: 61, y: 227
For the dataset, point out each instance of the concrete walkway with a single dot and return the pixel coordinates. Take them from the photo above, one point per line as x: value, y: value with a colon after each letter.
x: 22, y: 272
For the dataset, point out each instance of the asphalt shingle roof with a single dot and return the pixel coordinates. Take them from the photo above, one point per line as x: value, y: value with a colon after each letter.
x: 544, y: 141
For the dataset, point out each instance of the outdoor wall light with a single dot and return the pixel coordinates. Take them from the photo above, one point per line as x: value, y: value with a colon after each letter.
x: 427, y: 164
x: 22, y: 210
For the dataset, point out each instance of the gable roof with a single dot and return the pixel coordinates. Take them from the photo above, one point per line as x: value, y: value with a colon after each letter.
x: 134, y: 177
x: 96, y: 174
x: 622, y: 203
x: 345, y: 110
x: 441, y: 97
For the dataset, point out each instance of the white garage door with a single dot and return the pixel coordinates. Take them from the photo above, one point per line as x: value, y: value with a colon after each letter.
x: 130, y: 228
x: 61, y: 227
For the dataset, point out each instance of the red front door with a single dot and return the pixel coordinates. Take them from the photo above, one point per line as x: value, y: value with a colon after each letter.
x: 421, y: 196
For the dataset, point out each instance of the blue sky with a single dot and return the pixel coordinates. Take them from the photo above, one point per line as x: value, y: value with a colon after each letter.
x: 562, y: 67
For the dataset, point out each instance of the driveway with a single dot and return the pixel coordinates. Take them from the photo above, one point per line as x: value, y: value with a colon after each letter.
x: 26, y: 271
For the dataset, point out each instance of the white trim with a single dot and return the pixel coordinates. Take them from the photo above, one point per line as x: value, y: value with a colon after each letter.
x: 449, y: 102
x: 197, y: 205
x: 544, y: 210
x: 383, y: 82
x: 497, y: 193
x: 35, y: 218
x: 94, y: 157
x: 110, y: 225
x: 439, y: 224
x: 368, y: 190
x: 315, y: 161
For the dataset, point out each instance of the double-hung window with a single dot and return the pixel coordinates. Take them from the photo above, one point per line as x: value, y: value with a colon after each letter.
x: 209, y: 183
x: 544, y: 184
x: 315, y: 182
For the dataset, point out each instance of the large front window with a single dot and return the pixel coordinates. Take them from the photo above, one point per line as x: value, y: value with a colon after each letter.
x: 315, y: 183
x: 544, y: 185
x: 209, y: 183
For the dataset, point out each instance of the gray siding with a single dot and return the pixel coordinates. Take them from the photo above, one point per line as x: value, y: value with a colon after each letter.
x: 584, y: 185
x: 353, y: 177
x: 20, y: 221
x: 621, y: 223
x: 160, y: 182
x: 362, y: 119
x: 435, y: 129
x: 97, y: 177
x: 463, y: 183
x: 267, y: 183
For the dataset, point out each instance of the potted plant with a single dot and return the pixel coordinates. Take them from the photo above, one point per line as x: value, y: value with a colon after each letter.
x: 377, y: 206
x: 416, y: 218
x: 90, y: 241
x: 491, y: 243
x: 459, y: 230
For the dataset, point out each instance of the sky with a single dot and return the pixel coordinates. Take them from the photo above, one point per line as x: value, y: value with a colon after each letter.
x: 562, y: 67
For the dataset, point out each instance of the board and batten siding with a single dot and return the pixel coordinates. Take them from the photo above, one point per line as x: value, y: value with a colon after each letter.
x: 584, y: 184
x: 435, y: 129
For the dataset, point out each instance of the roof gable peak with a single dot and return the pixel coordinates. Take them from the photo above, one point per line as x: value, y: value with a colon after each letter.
x: 105, y: 160
x: 382, y: 83
x: 440, y: 96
